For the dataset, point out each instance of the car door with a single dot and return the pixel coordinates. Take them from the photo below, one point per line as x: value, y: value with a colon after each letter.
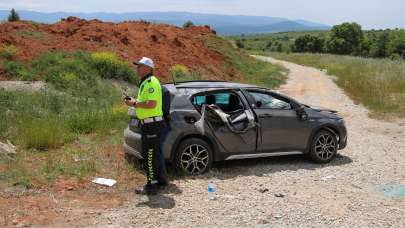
x: 238, y: 137
x: 280, y: 127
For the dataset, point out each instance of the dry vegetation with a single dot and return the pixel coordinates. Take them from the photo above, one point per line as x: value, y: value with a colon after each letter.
x: 379, y: 84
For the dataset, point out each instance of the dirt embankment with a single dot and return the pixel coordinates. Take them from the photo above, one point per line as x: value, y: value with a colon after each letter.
x: 167, y: 45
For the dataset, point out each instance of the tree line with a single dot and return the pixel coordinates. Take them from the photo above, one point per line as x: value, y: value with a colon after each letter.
x: 350, y: 39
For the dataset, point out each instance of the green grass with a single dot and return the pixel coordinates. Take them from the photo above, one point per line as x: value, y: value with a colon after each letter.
x: 379, y: 84
x: 270, y: 42
x: 46, y: 125
x: 49, y: 119
x: 59, y: 135
x: 254, y: 71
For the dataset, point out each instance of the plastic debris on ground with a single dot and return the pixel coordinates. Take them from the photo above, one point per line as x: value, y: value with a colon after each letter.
x: 392, y: 190
x: 104, y: 181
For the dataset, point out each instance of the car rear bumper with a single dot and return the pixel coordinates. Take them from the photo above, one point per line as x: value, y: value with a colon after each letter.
x: 132, y: 143
x: 130, y: 150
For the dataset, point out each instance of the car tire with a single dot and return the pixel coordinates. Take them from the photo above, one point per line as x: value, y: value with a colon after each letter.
x: 324, y: 147
x: 193, y: 157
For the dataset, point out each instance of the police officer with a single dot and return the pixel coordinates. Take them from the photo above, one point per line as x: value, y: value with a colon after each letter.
x: 148, y: 108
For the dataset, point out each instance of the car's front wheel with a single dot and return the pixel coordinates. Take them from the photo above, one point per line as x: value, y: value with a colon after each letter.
x: 193, y: 156
x: 324, y: 147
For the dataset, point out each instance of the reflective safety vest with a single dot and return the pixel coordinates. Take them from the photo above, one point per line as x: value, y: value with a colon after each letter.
x: 150, y: 89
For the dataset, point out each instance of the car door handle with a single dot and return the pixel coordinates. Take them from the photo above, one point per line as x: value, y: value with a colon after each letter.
x: 266, y: 115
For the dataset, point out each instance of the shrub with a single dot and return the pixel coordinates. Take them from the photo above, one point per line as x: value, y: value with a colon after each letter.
x: 8, y: 52
x: 109, y: 66
x: 179, y: 71
x: 308, y: 43
x: 18, y: 70
x: 71, y: 70
x: 64, y: 70
x: 240, y: 44
x: 188, y: 24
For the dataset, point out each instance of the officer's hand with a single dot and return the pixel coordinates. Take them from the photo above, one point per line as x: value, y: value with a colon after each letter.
x: 130, y: 102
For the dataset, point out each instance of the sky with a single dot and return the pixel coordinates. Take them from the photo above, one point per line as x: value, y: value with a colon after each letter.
x: 369, y: 13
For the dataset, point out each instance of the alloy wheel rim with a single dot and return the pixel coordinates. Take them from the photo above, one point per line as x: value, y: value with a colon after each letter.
x: 194, y: 159
x: 325, y: 146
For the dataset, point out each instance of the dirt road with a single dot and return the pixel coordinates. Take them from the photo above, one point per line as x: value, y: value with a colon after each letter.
x: 290, y: 191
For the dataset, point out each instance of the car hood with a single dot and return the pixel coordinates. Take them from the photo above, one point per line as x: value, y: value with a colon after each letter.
x: 322, y: 109
x: 321, y: 112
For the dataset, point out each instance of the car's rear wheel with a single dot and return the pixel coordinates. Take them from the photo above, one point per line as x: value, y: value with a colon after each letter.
x: 324, y: 147
x: 193, y: 157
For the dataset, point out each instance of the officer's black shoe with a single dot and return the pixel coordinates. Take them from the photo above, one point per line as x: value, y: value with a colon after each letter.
x: 163, y: 184
x: 148, y: 189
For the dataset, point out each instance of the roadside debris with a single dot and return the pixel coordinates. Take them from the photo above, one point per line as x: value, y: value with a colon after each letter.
x: 330, y: 177
x: 211, y: 191
x: 201, y: 122
x: 392, y: 190
x: 263, y: 190
x: 79, y: 159
x: 8, y: 149
x: 280, y: 195
x: 104, y: 181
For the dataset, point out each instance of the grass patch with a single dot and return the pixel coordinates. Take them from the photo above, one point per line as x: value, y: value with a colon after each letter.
x: 379, y: 84
x: 18, y: 70
x: 82, y: 160
x: 46, y: 125
x: 33, y: 34
x: 8, y: 51
x: 42, y: 133
x: 254, y: 71
x: 49, y: 119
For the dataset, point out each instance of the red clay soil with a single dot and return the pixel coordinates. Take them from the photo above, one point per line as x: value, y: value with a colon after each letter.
x: 167, y: 45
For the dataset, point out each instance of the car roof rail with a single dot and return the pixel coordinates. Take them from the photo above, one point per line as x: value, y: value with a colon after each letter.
x: 195, y: 81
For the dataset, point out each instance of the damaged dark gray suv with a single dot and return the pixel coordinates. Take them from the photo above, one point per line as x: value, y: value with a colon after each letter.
x: 212, y: 121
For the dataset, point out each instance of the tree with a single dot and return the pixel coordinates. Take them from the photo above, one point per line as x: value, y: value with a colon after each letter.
x: 345, y: 39
x: 240, y: 43
x: 279, y: 47
x: 13, y: 16
x: 308, y: 43
x: 379, y: 46
x: 269, y: 44
x: 396, y: 44
x: 188, y: 24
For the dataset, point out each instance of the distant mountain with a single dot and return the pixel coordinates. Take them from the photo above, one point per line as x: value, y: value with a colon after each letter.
x: 223, y: 24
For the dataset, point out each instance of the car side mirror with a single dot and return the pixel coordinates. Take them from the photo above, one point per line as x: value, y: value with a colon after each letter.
x: 259, y: 104
x: 301, y: 113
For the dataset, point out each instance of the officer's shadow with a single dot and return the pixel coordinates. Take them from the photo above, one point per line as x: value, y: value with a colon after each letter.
x: 162, y: 200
